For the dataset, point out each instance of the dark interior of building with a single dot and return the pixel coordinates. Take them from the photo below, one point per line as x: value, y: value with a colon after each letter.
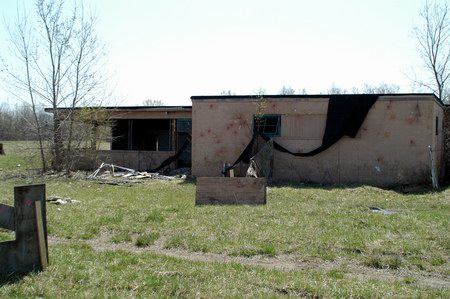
x: 141, y: 134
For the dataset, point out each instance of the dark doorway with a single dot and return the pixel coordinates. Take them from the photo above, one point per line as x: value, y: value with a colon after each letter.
x: 184, y: 130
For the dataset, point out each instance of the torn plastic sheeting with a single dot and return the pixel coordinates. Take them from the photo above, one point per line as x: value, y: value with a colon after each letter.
x: 173, y: 158
x: 383, y: 211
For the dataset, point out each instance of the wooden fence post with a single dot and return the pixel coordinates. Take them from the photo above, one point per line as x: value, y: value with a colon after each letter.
x: 2, y: 151
x: 29, y: 252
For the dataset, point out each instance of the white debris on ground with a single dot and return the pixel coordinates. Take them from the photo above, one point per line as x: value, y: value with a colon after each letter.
x: 113, y: 174
x: 382, y: 211
x: 179, y: 172
x: 57, y: 200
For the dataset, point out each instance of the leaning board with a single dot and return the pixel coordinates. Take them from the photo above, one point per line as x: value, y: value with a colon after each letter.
x: 235, y: 190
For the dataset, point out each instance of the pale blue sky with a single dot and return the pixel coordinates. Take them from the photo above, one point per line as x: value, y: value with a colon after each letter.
x: 171, y: 49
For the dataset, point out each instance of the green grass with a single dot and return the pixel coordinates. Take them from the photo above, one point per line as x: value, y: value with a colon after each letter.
x: 307, y: 223
x: 19, y: 156
x: 77, y: 271
x: 147, y: 239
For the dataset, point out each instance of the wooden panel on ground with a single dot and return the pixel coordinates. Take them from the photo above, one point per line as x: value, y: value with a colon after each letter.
x: 226, y: 190
x: 23, y: 254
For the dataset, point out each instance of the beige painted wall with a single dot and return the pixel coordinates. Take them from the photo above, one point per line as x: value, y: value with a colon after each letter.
x: 391, y: 147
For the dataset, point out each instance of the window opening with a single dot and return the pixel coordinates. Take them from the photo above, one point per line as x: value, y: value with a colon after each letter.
x: 269, y: 125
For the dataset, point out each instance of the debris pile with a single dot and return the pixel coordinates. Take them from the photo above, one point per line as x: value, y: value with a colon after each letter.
x: 115, y: 175
x: 57, y: 200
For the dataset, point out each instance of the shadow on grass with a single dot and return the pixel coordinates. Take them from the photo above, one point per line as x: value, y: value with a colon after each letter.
x: 415, y: 189
x: 11, y: 278
x: 190, y: 180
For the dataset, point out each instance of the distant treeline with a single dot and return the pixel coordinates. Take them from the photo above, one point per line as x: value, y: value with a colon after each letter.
x: 17, y: 122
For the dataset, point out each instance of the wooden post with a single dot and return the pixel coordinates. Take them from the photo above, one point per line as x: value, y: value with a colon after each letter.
x: 41, y: 235
x: 173, y: 135
x: 2, y: 151
x: 29, y: 252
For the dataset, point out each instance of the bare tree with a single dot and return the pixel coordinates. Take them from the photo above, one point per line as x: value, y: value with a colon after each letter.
x: 433, y: 37
x: 227, y: 93
x: 334, y: 89
x: 261, y: 91
x: 151, y: 102
x: 17, y: 122
x: 59, y: 62
x: 302, y: 91
x: 382, y: 88
x: 287, y: 90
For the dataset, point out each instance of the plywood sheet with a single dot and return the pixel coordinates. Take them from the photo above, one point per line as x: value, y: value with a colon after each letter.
x: 224, y: 190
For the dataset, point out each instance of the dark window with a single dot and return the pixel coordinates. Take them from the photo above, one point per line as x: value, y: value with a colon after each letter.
x: 141, y: 134
x: 184, y: 125
x: 269, y: 125
x: 120, y: 132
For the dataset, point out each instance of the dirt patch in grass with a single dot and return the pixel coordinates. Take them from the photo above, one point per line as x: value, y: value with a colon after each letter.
x: 284, y: 262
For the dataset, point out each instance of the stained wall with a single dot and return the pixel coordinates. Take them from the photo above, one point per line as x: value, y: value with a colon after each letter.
x: 391, y: 147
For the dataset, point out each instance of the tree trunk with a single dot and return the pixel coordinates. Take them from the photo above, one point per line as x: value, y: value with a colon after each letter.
x: 58, y: 147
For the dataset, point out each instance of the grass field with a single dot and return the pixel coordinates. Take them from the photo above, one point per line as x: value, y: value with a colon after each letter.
x: 149, y: 240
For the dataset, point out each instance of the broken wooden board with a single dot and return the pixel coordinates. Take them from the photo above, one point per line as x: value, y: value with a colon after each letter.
x: 234, y: 190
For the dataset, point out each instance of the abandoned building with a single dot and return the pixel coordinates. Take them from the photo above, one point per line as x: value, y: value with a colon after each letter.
x: 389, y: 141
x: 143, y: 137
x: 390, y: 147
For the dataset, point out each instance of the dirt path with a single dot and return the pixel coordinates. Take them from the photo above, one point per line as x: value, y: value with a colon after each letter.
x: 281, y: 262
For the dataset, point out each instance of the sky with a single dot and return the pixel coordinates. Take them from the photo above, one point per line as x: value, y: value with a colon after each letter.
x: 170, y: 50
